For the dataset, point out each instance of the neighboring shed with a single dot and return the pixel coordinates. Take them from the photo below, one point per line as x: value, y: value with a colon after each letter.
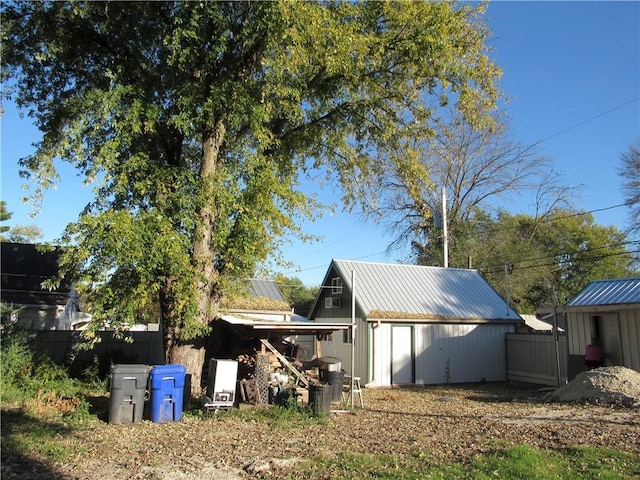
x: 533, y: 324
x: 24, y: 268
x: 260, y: 299
x: 415, y: 325
x: 609, y: 310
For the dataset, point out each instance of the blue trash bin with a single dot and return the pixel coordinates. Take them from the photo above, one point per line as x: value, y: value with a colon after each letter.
x: 167, y: 386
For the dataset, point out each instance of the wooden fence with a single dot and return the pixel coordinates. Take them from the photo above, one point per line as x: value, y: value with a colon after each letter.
x: 532, y: 358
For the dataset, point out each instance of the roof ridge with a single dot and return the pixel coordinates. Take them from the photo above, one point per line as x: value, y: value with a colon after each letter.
x: 408, y: 265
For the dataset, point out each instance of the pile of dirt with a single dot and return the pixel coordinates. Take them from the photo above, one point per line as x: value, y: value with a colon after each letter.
x: 607, y: 385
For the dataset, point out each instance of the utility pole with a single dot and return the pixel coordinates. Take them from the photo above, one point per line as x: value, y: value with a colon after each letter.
x: 555, y: 333
x: 445, y: 235
x: 506, y: 285
x: 353, y: 332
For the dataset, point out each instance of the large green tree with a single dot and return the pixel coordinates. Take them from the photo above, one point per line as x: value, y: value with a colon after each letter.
x: 299, y: 296
x: 523, y: 256
x: 4, y: 216
x: 17, y: 233
x: 196, y: 119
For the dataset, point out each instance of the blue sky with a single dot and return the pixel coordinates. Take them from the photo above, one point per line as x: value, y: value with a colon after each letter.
x: 571, y: 69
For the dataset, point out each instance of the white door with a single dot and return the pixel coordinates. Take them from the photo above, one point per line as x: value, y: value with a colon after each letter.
x: 401, y: 355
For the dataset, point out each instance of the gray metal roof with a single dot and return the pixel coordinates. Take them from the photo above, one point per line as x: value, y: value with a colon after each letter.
x: 430, y: 291
x: 265, y: 288
x: 615, y: 291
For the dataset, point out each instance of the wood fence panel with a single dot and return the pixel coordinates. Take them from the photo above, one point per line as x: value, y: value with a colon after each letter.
x: 532, y: 358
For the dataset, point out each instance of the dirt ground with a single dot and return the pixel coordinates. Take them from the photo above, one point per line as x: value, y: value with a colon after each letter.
x: 450, y: 422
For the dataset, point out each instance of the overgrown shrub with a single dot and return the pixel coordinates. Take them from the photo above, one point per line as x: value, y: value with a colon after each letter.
x: 28, y: 379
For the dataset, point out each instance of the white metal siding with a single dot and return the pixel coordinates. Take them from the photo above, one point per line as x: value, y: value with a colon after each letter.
x: 579, y: 334
x: 380, y: 360
x: 445, y: 353
x: 630, y: 331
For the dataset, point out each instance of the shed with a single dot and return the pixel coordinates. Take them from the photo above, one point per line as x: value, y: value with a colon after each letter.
x: 260, y: 299
x: 609, y: 310
x: 415, y: 324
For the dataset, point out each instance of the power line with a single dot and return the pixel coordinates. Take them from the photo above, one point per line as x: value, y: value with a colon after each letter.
x: 572, y: 259
x: 579, y: 124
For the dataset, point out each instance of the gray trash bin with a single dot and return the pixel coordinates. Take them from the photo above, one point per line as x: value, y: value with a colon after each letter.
x: 320, y: 399
x: 335, y: 381
x: 128, y: 389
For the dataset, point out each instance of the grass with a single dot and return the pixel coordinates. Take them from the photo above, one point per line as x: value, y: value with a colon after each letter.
x: 291, y: 415
x: 519, y: 462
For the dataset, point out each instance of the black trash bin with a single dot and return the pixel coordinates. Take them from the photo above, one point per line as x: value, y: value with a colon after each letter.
x: 336, y: 382
x: 128, y: 389
x: 320, y: 399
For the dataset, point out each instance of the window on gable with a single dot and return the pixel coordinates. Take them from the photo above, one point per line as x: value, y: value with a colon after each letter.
x: 332, y: 302
x: 336, y: 286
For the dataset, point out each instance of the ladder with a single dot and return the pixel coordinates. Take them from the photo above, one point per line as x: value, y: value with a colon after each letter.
x: 347, y: 390
x: 300, y: 376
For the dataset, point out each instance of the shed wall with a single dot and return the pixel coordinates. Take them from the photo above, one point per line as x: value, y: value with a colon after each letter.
x: 445, y: 353
x: 579, y: 334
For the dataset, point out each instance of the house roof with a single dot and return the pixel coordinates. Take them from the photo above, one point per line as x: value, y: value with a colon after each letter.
x: 617, y: 291
x: 256, y: 294
x: 24, y: 268
x: 396, y: 291
x: 259, y: 287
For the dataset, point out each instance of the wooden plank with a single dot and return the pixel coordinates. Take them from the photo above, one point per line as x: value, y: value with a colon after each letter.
x: 302, y: 378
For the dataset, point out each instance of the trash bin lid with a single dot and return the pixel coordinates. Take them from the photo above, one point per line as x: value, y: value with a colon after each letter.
x: 172, y: 369
x: 129, y: 369
x: 329, y: 363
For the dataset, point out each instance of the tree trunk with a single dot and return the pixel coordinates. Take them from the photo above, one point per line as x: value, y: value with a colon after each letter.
x: 204, y: 248
x: 191, y: 353
x: 192, y: 356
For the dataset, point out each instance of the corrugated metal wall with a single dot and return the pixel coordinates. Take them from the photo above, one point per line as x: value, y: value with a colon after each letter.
x: 630, y: 331
x: 446, y: 353
x: 579, y: 334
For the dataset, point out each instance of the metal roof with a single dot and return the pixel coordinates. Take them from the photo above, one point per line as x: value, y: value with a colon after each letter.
x: 617, y: 291
x: 536, y: 324
x: 265, y: 288
x: 289, y: 328
x: 432, y: 292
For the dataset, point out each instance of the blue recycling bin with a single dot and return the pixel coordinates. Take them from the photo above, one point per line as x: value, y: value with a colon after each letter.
x: 167, y: 386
